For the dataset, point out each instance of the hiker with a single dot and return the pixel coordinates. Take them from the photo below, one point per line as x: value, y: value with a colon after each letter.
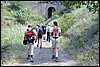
x: 39, y: 36
x: 44, y: 31
x: 29, y: 36
x: 55, y: 33
x: 48, y: 29
x: 36, y: 33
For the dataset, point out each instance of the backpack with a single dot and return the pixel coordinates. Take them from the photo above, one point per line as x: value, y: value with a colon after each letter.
x: 55, y: 31
x: 29, y: 33
x: 44, y: 29
x: 40, y: 32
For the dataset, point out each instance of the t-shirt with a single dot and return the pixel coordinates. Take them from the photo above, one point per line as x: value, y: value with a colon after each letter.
x: 36, y: 30
x: 48, y: 28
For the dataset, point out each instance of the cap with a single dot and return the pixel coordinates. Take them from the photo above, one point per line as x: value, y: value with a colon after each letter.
x: 29, y: 25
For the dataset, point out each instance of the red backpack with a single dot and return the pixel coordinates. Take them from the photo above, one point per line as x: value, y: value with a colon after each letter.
x: 29, y: 33
x: 55, y: 31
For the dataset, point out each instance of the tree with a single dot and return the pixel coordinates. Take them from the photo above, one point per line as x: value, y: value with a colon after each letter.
x: 93, y: 6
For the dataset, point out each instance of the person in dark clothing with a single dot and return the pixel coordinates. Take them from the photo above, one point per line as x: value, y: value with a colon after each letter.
x: 48, y: 32
x: 44, y: 31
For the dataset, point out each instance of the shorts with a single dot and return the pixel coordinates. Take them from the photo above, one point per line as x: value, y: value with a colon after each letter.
x: 30, y: 48
x: 57, y: 45
x: 39, y: 36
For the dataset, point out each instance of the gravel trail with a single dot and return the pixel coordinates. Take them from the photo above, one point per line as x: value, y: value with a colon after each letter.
x: 42, y: 57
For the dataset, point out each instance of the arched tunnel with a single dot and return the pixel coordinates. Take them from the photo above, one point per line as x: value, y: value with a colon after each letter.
x: 50, y: 10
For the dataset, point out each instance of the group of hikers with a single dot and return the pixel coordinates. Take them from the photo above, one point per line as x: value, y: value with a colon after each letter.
x: 41, y: 32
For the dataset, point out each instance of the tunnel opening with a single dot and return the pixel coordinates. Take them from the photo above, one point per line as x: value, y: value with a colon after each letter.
x: 51, y: 11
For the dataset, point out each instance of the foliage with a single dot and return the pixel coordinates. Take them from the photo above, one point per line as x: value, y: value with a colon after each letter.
x: 53, y: 12
x: 23, y: 15
x: 5, y: 14
x: 11, y: 40
x: 16, y: 5
x: 89, y: 57
x: 66, y: 21
x: 93, y: 6
x: 16, y: 13
x: 82, y: 39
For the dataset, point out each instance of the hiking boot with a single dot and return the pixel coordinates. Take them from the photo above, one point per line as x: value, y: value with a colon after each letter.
x: 28, y: 57
x: 31, y: 59
x: 41, y: 46
x: 53, y: 56
x: 56, y: 59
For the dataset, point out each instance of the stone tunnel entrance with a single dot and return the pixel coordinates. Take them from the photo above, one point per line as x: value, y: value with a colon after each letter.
x: 50, y: 11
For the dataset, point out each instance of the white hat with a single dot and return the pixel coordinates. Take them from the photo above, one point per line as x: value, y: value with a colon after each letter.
x: 36, y: 26
x: 29, y: 24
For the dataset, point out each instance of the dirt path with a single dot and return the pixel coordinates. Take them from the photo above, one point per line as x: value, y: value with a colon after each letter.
x: 42, y: 57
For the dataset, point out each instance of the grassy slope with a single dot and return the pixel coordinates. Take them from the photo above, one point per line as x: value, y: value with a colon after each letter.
x: 12, y: 37
x: 81, y: 39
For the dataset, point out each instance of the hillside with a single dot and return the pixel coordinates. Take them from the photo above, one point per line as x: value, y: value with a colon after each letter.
x: 81, y: 35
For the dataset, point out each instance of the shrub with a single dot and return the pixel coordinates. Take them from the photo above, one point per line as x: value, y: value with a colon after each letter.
x: 82, y: 38
x: 19, y: 14
x: 66, y: 21
x: 16, y: 5
x: 11, y: 40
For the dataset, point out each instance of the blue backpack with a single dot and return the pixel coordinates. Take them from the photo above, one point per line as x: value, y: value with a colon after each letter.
x: 40, y: 32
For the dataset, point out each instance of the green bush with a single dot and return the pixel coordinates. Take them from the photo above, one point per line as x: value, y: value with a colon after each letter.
x: 11, y: 40
x: 23, y: 15
x: 16, y: 5
x: 66, y: 21
x: 82, y: 39
x: 89, y: 56
x: 6, y: 15
x: 18, y: 14
x: 11, y: 35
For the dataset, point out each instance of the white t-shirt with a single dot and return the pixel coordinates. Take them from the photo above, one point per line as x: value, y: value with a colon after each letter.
x: 39, y: 28
x: 48, y: 28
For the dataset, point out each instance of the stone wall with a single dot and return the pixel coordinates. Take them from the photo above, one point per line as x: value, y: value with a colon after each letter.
x: 42, y: 8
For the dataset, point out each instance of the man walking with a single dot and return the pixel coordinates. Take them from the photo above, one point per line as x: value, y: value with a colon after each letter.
x: 56, y: 32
